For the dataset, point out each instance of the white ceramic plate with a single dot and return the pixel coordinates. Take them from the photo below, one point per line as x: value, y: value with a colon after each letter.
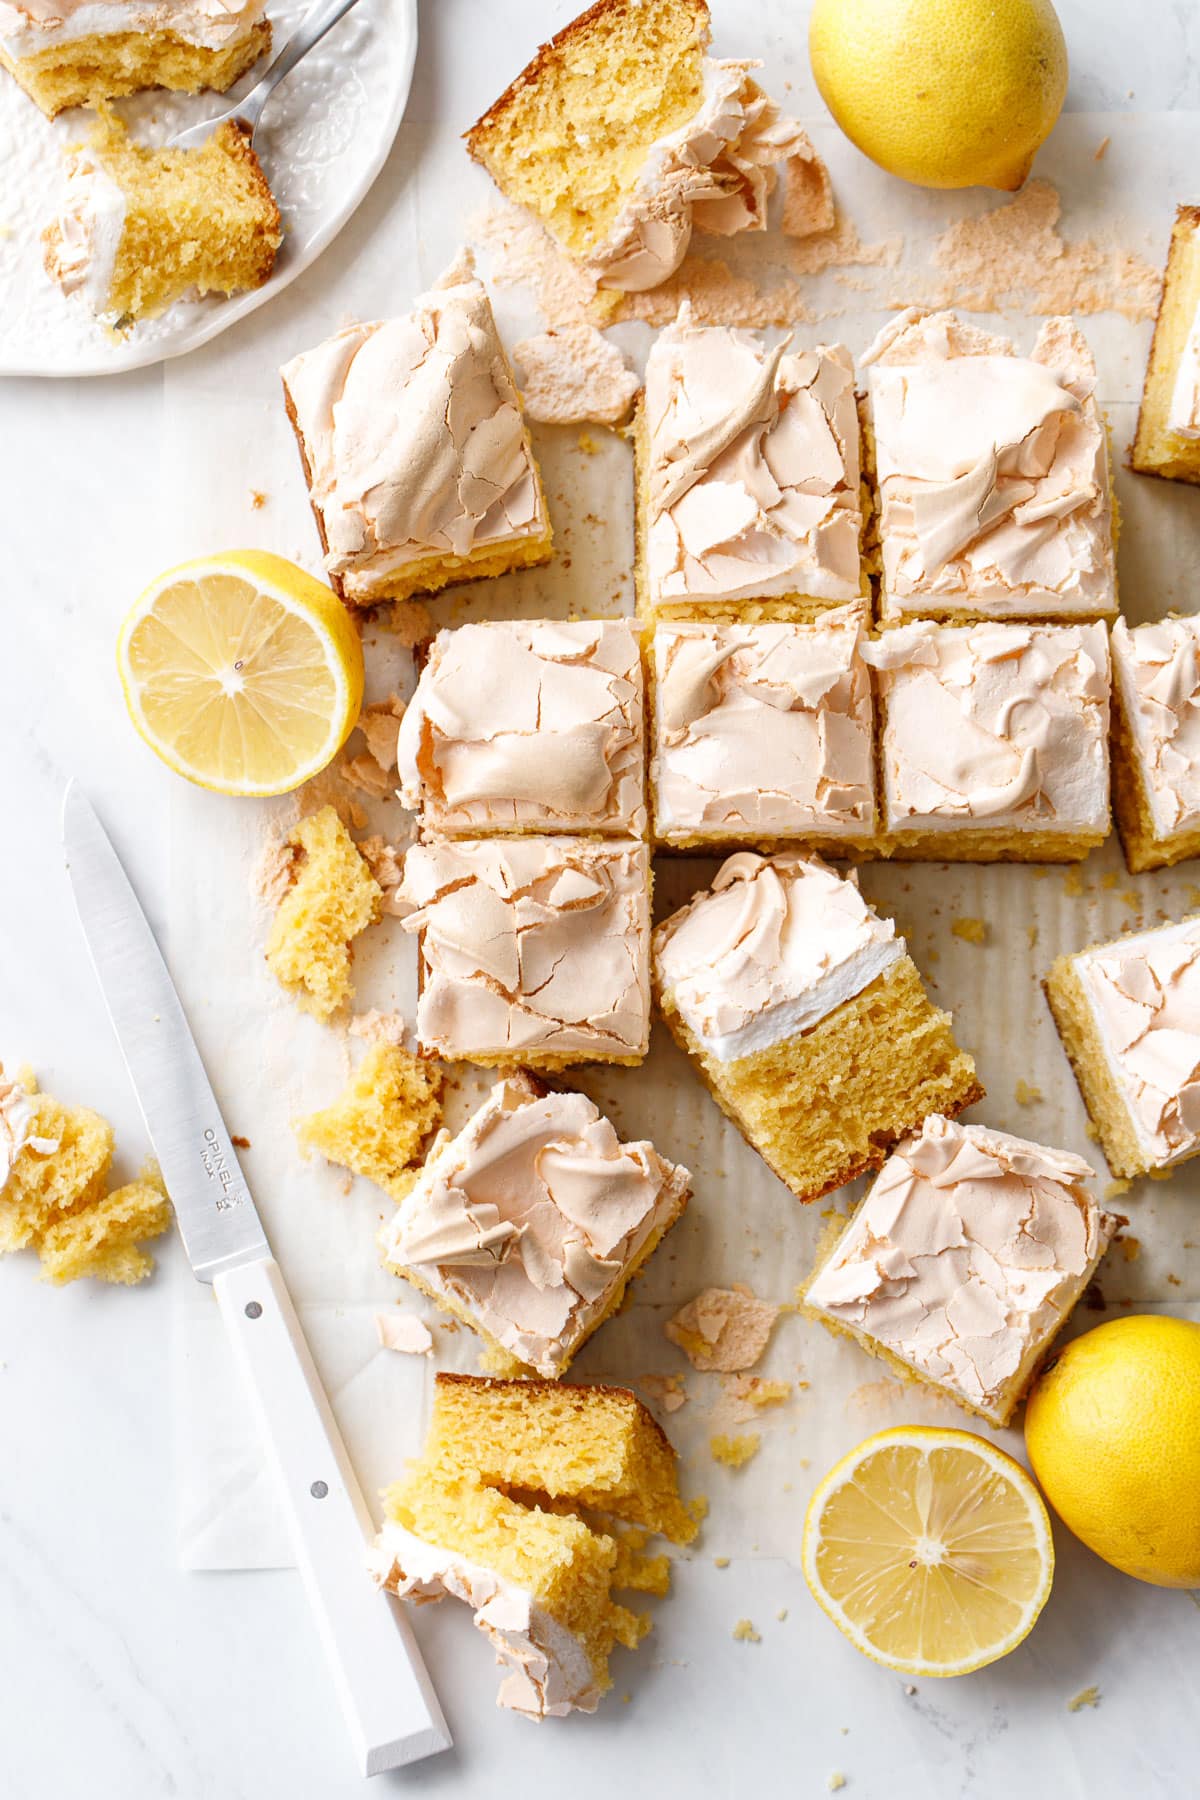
x: 324, y: 138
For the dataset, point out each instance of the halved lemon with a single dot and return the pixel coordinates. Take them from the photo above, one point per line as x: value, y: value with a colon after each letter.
x: 930, y: 1550
x: 242, y: 672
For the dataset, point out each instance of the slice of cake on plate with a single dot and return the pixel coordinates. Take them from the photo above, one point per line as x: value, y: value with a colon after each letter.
x: 964, y: 1260
x: 527, y: 726
x: 748, y: 485
x: 806, y: 1019
x: 622, y: 136
x: 80, y: 52
x: 54, y: 1195
x: 490, y: 1514
x: 530, y: 1222
x: 418, y: 461
x: 533, y: 950
x: 138, y: 229
x: 763, y: 734
x: 1128, y: 1014
x: 993, y: 741
x: 1167, y: 441
x: 992, y: 472
x: 1156, y: 741
x: 332, y: 898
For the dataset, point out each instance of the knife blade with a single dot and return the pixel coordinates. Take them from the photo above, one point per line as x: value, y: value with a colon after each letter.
x: 386, y: 1696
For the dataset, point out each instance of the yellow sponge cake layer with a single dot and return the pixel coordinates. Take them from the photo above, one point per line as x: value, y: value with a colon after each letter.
x: 84, y: 71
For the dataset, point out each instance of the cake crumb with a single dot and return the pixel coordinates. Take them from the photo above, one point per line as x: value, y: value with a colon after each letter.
x: 377, y: 1027
x: 734, y: 1452
x: 782, y: 1614
x: 971, y: 931
x: 698, y: 1507
x: 1027, y: 1094
x: 410, y: 622
x: 1131, y: 1247
x: 364, y: 773
x: 587, y: 443
x: 836, y: 1780
x: 1101, y: 150
x: 1132, y: 899
x: 380, y: 725
x: 745, y: 1633
x: 667, y: 1391
x: 753, y: 1393
x: 240, y: 1143
x: 573, y: 376
x: 720, y: 1562
x: 723, y: 1329
x: 910, y: 1688
x: 807, y: 192
x: 257, y: 499
x: 383, y: 860
x: 1116, y: 1188
x: 1073, y: 885
x: 275, y: 870
x: 404, y: 1332
x: 1109, y: 879
x: 1088, y: 1696
x: 1031, y: 932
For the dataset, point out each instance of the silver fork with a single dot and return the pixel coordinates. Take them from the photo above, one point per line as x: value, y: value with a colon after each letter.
x: 249, y: 110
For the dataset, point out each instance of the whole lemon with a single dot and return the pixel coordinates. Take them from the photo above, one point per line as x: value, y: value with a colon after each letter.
x: 1113, y: 1433
x: 945, y: 93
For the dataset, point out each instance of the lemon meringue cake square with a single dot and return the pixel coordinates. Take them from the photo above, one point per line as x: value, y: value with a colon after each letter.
x: 82, y: 52
x: 763, y: 734
x: 533, y: 951
x: 993, y: 741
x: 964, y: 1261
x: 1128, y: 1014
x: 419, y: 466
x: 527, y: 725
x: 992, y: 473
x: 622, y: 137
x: 1156, y: 741
x: 806, y: 1019
x: 529, y: 1223
x: 748, y: 478
x: 138, y: 229
x: 1167, y: 441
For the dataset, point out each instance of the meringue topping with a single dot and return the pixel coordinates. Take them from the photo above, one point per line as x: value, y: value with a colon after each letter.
x: 1157, y: 668
x: 1000, y: 726
x: 967, y: 1254
x: 1183, y: 413
x: 29, y: 26
x: 763, y: 728
x: 531, y: 944
x: 992, y: 470
x: 413, y: 436
x: 527, y: 722
x: 716, y: 173
x: 774, y: 947
x: 1144, y: 994
x: 80, y: 244
x: 550, y: 1672
x: 573, y: 376
x: 753, y: 468
x: 531, y: 1217
x: 17, y: 1121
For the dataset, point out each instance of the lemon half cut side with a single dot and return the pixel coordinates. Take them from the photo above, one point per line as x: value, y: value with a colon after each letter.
x: 930, y: 1549
x: 242, y: 672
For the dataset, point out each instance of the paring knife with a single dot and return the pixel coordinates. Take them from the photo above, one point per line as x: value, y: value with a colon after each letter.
x: 385, y: 1692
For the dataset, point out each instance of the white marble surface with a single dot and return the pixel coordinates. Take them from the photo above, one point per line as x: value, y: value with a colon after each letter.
x: 122, y: 1676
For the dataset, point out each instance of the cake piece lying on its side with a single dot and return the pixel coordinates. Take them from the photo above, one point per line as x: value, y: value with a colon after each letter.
x: 748, y: 483
x: 964, y: 1260
x: 380, y: 1126
x: 54, y: 1198
x: 1167, y: 441
x: 1128, y: 1014
x: 992, y: 472
x: 138, y: 229
x: 529, y: 1223
x: 333, y: 897
x: 763, y: 735
x: 1156, y: 741
x: 79, y: 53
x: 622, y: 136
x: 419, y: 466
x: 993, y: 741
x: 806, y: 1019
x: 486, y: 1515
x: 533, y: 950
x: 527, y: 726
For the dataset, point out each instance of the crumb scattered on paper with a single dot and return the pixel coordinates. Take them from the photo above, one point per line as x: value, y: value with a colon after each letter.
x: 364, y: 773
x: 383, y: 860
x: 275, y: 870
x: 1102, y: 149
x: 723, y: 1329
x: 410, y: 622
x: 752, y: 1393
x: 1027, y: 1094
x: 807, y: 193
x: 257, y: 499
x: 1014, y: 257
x: 1031, y: 932
x: 720, y: 1562
x: 781, y: 1615
x: 240, y: 1143
x: 698, y: 1507
x: 523, y: 254
x: 836, y: 1780
x: 574, y: 376
x: 971, y: 931
x: 745, y: 1633
x: 734, y: 1452
x: 404, y: 1332
x: 1131, y: 1247
x: 1088, y: 1696
x: 379, y: 1027
x: 1073, y: 886
x: 380, y: 724
x: 1115, y: 1189
x: 666, y: 1391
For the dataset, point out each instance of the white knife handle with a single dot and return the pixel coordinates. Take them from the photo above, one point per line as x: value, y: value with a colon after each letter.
x: 385, y: 1692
